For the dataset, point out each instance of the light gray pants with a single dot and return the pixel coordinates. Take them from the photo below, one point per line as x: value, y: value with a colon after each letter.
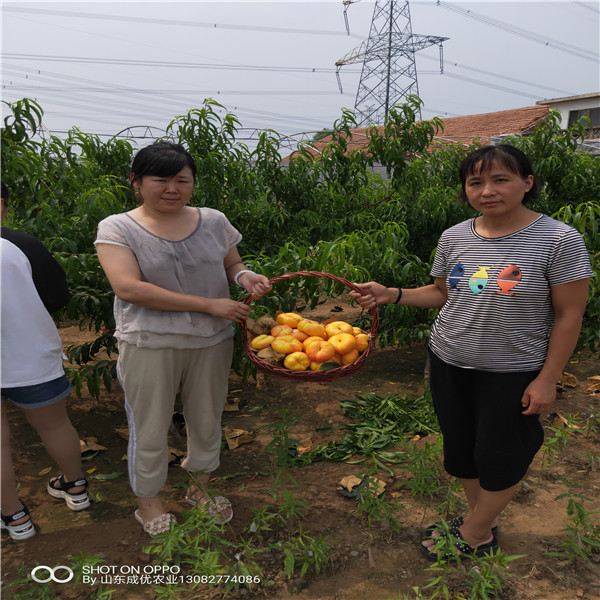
x: 151, y: 378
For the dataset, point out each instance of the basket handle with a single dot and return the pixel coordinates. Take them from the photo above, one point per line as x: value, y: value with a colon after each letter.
x: 374, y: 313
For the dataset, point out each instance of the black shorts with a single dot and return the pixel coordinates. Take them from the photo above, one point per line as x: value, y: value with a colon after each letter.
x: 486, y: 436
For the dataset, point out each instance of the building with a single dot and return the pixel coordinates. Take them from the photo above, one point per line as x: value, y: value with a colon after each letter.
x: 572, y: 108
x: 484, y: 128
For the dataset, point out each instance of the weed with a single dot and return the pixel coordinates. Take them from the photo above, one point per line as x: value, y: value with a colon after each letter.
x: 376, y: 507
x: 382, y: 423
x: 23, y: 588
x: 591, y: 425
x: 452, y: 503
x: 425, y: 467
x: 282, y: 445
x: 555, y: 444
x: 483, y: 577
x: 582, y: 529
x: 260, y: 521
x: 240, y: 570
x: 197, y: 546
x: 304, y: 552
x: 591, y: 460
x: 291, y: 507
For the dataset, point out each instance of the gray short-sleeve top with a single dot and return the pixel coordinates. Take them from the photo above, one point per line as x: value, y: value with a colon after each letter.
x: 192, y: 266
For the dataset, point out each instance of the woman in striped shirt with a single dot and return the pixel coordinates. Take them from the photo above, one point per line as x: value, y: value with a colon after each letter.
x: 511, y: 285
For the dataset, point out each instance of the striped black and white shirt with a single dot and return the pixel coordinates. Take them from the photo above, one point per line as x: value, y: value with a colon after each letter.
x: 499, y: 313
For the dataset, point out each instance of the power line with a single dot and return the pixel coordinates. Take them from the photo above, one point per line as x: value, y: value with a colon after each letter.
x: 99, y: 90
x: 587, y: 5
x: 533, y: 37
x: 166, y: 64
x: 490, y: 85
x: 164, y: 102
x: 163, y: 22
x: 504, y: 77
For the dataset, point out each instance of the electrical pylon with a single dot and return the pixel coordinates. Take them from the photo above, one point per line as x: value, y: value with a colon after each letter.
x: 389, y: 72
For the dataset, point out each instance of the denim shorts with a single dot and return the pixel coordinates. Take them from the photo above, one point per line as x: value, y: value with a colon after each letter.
x: 39, y: 395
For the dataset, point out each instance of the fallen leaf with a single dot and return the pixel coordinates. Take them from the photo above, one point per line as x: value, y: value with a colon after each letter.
x: 377, y: 486
x: 124, y: 433
x: 236, y: 437
x: 349, y: 481
x: 90, y: 471
x: 106, y: 476
x: 593, y: 388
x: 45, y: 471
x: 304, y: 445
x: 567, y: 380
x: 90, y: 444
x: 232, y: 404
x: 557, y: 420
x: 175, y: 456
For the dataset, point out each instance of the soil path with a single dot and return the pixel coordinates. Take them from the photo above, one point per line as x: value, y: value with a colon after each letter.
x: 367, y: 563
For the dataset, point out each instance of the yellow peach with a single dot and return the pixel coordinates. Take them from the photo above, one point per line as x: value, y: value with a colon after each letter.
x: 290, y: 319
x: 261, y: 341
x: 343, y: 343
x: 312, y: 338
x: 362, y: 342
x: 296, y: 361
x: 356, y: 331
x: 320, y: 351
x: 349, y: 357
x: 312, y: 328
x: 299, y: 335
x: 338, y: 327
x: 286, y: 344
x: 336, y: 358
x: 281, y: 330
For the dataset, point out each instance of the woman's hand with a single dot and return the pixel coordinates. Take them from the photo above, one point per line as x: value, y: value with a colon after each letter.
x: 226, y: 308
x: 255, y: 284
x: 538, y: 397
x: 374, y: 294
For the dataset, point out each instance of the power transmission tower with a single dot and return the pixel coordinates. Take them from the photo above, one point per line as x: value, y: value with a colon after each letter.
x: 389, y: 72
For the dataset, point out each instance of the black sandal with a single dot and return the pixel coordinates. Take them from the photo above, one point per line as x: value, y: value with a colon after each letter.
x: 460, y: 544
x: 22, y: 531
x: 456, y: 522
x: 75, y: 500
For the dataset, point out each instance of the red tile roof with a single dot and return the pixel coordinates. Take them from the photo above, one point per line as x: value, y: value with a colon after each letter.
x: 467, y: 129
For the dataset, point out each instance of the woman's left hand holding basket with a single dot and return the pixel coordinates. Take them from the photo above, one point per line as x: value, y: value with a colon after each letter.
x: 255, y: 284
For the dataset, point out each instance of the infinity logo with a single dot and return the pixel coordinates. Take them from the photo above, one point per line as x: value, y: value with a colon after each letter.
x: 52, y: 574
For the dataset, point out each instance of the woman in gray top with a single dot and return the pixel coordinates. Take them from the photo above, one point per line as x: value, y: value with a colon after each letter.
x: 170, y: 266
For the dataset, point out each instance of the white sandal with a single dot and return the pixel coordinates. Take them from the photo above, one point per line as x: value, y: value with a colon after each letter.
x: 218, y: 507
x: 161, y: 524
x: 22, y: 531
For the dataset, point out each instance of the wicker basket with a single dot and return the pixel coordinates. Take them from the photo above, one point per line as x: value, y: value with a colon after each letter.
x: 327, y: 375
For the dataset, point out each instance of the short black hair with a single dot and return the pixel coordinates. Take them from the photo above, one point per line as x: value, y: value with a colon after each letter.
x: 482, y: 159
x: 5, y: 193
x: 162, y: 159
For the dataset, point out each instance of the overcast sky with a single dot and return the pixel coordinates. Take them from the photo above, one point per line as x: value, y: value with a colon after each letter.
x: 97, y: 65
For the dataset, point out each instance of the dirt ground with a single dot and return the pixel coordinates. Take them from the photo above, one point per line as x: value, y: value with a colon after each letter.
x: 366, y: 564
